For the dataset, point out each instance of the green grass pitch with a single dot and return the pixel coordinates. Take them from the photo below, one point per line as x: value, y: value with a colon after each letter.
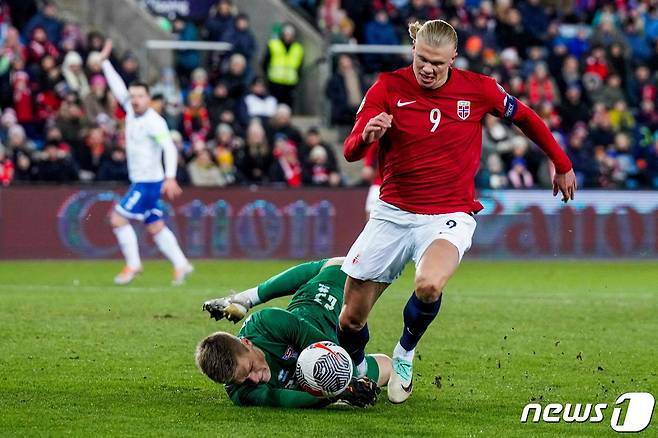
x: 81, y: 356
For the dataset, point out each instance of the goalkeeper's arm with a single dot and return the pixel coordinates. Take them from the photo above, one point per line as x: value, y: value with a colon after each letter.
x: 265, y: 395
x: 359, y: 393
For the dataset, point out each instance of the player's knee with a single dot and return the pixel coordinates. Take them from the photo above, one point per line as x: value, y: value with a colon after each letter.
x: 116, y: 220
x: 350, y: 322
x: 155, y: 227
x: 429, y: 289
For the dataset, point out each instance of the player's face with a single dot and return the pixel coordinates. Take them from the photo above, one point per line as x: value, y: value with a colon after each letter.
x: 139, y: 99
x: 252, y: 366
x: 431, y: 64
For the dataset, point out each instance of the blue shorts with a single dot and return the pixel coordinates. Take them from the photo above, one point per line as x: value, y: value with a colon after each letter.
x: 142, y: 202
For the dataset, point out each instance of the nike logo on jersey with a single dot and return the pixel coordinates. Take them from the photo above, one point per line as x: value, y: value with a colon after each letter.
x: 400, y: 103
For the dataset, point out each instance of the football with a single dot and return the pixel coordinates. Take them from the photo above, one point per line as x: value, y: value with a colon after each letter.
x: 324, y: 369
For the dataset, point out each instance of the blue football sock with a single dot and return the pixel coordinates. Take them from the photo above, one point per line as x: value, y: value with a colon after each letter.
x: 417, y: 317
x: 354, y: 343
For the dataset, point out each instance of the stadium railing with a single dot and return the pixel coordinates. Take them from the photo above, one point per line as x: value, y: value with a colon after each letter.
x: 209, y: 46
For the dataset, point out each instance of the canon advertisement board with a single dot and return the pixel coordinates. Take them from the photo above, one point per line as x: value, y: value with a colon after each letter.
x: 66, y: 222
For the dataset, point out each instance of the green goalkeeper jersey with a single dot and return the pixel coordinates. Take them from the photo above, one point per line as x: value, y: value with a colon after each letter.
x: 311, y: 316
x: 281, y: 335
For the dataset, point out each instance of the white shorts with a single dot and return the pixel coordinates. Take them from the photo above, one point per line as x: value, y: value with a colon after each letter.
x: 392, y: 237
x: 373, y: 197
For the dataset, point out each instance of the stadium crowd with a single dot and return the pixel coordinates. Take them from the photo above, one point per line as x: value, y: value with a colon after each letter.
x: 587, y: 67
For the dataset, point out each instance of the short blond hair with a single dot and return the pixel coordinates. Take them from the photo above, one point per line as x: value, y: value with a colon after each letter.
x: 436, y: 33
x: 217, y: 356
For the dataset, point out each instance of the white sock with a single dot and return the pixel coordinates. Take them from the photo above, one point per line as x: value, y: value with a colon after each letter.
x: 401, y: 353
x: 250, y: 296
x: 168, y: 245
x: 128, y: 244
x: 362, y: 368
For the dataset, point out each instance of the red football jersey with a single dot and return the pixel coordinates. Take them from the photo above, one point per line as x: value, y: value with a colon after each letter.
x: 429, y: 157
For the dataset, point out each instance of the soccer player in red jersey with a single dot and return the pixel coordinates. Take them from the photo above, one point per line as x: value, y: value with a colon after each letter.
x: 426, y: 119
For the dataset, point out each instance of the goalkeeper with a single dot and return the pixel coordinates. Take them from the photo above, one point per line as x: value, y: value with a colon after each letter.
x: 258, y: 366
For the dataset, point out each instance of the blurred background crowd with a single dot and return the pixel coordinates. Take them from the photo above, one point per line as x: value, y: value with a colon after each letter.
x: 588, y: 67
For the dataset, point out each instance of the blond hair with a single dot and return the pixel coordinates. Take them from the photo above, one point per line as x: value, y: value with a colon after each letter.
x: 436, y: 33
x: 217, y: 356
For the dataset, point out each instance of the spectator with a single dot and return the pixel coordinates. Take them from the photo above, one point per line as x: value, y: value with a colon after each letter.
x: 313, y: 140
x: 54, y: 135
x: 626, y: 172
x: 199, y: 81
x: 236, y: 77
x: 281, y: 123
x: 418, y: 10
x: 55, y: 166
x: 17, y: 142
x: 606, y: 167
x: 7, y: 120
x: 168, y: 87
x: 196, y: 122
x: 652, y: 165
x: 317, y: 171
x: 258, y: 158
x: 203, y: 171
x: 286, y: 167
x: 227, y: 169
x: 380, y: 30
x: 97, y: 101
x: 637, y: 40
x: 24, y: 170
x: 11, y: 48
x: 259, y: 102
x: 89, y: 157
x: 621, y: 118
x: 648, y: 116
x: 186, y: 60
x: 243, y: 40
x: 113, y: 166
x: 344, y: 91
x: 580, y: 152
x: 74, y: 74
x: 94, y: 64
x: 219, y: 102
x: 609, y: 93
x: 541, y: 87
x: 47, y: 20
x: 39, y: 46
x: 519, y: 176
x: 220, y: 21
x: 495, y: 178
x: 283, y: 63
x: 511, y: 32
x: 6, y: 167
x: 573, y: 109
x: 71, y: 121
x: 23, y: 99
x: 224, y: 139
x: 129, y: 68
x: 535, y: 19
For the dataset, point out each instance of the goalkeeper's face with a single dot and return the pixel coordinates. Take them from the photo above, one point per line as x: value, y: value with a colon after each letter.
x: 251, y: 366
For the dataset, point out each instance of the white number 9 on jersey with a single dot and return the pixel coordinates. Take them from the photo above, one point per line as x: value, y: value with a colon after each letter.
x: 435, y: 118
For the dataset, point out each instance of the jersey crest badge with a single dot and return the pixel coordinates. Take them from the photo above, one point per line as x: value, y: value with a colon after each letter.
x: 463, y: 109
x: 290, y: 353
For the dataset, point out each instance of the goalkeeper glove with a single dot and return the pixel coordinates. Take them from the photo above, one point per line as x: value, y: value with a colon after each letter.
x: 228, y: 307
x: 361, y: 392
